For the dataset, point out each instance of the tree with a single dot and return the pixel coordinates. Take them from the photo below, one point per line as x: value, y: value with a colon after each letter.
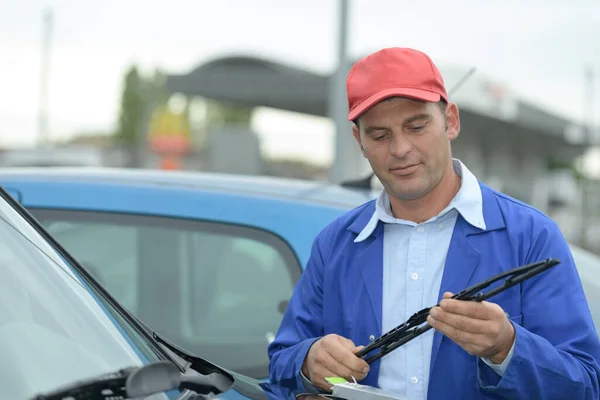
x: 132, y: 112
x: 142, y: 97
x: 157, y: 87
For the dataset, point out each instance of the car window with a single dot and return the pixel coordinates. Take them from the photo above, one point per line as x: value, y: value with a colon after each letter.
x: 588, y: 266
x: 215, y: 289
x: 55, y: 328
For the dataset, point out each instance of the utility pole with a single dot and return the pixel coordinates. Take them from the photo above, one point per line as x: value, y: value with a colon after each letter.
x: 587, y: 188
x: 43, y: 139
x: 589, y: 101
x: 338, y: 106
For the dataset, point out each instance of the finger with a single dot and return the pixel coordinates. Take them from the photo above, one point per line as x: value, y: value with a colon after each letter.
x: 355, y: 366
x: 357, y: 349
x: 349, y: 363
x: 341, y: 370
x: 448, y: 295
x: 347, y: 343
x: 461, y: 322
x: 462, y: 338
x: 335, y: 366
x: 472, y: 309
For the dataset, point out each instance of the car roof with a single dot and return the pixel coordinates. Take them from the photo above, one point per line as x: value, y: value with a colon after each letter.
x: 312, y: 191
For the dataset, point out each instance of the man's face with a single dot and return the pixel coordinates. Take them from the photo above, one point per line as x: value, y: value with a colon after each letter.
x: 407, y: 143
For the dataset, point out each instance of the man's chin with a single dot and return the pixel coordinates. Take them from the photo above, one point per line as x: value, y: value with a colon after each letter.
x: 407, y: 188
x: 406, y: 194
x: 409, y: 196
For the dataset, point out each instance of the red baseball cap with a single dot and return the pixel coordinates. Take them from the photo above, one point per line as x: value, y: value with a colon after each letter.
x: 394, y: 71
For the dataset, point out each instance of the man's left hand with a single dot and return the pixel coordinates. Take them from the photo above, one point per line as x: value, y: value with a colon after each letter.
x: 480, y: 328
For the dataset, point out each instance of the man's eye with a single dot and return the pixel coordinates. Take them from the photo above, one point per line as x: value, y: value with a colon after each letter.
x: 416, y: 128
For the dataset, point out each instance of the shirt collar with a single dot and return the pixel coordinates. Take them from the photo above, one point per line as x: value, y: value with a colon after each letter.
x: 468, y: 202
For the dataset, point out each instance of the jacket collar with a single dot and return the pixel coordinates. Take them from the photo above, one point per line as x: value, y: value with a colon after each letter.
x: 468, y: 202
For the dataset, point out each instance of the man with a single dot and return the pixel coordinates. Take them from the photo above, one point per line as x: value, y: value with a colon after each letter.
x: 433, y: 231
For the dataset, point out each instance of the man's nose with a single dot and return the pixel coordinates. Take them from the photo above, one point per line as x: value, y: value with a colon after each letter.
x: 399, y: 146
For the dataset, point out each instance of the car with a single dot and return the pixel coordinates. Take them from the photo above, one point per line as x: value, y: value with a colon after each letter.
x: 62, y: 335
x: 206, y: 260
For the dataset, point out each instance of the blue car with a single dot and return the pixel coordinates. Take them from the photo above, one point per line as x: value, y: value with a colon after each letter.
x: 207, y: 261
x: 63, y: 336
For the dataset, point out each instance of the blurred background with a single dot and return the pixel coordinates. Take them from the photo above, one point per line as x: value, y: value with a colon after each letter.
x: 258, y: 87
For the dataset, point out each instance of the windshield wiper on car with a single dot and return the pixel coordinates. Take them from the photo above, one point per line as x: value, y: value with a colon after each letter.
x: 140, y: 382
x: 416, y: 325
x: 199, y: 376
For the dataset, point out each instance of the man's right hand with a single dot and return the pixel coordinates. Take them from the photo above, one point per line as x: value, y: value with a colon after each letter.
x: 331, y: 356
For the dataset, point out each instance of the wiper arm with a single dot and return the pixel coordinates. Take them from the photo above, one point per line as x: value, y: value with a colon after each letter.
x: 416, y: 325
x: 139, y: 382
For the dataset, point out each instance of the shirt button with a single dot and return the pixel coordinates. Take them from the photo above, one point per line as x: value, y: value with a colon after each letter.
x: 420, y: 229
x: 414, y: 276
x: 371, y: 338
x: 414, y: 379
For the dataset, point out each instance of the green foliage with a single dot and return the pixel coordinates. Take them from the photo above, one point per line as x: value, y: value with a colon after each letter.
x: 141, y: 96
x: 158, y: 92
x: 132, y: 107
x: 555, y: 164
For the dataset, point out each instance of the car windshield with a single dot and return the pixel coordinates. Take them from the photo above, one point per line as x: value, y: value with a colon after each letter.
x: 54, y: 329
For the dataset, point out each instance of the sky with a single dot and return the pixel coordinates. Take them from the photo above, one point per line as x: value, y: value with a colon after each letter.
x: 538, y: 48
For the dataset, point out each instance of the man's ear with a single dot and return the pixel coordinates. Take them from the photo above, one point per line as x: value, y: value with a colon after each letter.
x: 453, y: 121
x: 356, y: 134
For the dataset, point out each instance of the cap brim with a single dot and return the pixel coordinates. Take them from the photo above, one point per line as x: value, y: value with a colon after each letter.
x: 416, y: 94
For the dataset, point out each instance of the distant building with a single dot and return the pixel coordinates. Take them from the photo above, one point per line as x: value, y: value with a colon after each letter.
x: 508, y: 143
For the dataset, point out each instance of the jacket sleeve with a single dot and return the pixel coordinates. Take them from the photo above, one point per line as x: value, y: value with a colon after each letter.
x: 557, y: 349
x: 301, y: 326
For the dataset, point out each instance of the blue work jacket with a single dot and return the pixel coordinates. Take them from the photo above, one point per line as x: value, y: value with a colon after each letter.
x: 557, y: 350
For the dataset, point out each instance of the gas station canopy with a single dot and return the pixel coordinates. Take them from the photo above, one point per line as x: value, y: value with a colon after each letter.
x: 256, y: 82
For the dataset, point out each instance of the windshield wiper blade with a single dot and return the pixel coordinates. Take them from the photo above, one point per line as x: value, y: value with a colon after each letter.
x: 139, y: 382
x: 416, y: 325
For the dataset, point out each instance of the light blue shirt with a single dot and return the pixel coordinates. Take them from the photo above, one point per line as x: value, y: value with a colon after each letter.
x: 413, y: 265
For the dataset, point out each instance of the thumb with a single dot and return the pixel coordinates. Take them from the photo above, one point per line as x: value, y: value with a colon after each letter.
x: 357, y: 349
x: 448, y: 295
